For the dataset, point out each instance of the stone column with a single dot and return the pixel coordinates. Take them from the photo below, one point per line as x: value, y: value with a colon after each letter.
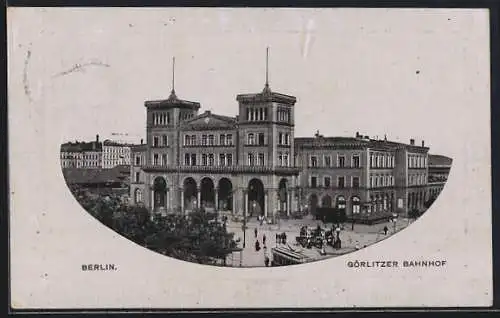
x: 266, y: 203
x: 182, y: 201
x: 288, y: 202
x: 198, y: 203
x: 293, y: 203
x: 167, y: 201
x: 245, y: 208
x: 152, y: 202
x: 217, y: 199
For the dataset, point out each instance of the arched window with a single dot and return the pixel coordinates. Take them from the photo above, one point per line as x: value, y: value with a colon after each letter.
x: 355, y: 205
x: 251, y: 139
x: 138, y: 196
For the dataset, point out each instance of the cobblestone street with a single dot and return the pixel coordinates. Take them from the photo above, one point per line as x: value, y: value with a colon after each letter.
x: 363, y: 235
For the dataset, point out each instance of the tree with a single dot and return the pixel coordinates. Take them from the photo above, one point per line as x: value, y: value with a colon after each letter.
x: 414, y: 214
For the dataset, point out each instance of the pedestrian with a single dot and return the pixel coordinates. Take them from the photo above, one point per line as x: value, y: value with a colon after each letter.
x: 264, y: 239
x: 266, y: 261
x: 257, y: 246
x: 284, y: 238
x: 277, y: 238
x: 385, y: 230
x: 255, y: 232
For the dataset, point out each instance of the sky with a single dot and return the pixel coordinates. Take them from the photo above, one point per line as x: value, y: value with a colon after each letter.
x: 401, y: 73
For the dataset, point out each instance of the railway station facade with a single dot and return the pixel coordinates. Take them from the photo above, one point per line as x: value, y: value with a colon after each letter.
x: 252, y: 164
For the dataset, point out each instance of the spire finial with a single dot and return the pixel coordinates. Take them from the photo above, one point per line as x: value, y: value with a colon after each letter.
x: 267, y: 66
x: 266, y: 88
x: 172, y: 93
x: 173, y: 74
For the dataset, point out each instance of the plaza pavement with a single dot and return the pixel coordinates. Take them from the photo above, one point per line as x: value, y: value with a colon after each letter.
x: 363, y: 235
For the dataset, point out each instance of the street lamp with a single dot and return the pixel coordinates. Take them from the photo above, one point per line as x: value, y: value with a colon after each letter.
x: 394, y: 219
x: 244, y: 227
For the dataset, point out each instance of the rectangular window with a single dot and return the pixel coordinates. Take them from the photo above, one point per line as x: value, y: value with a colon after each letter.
x: 211, y: 161
x: 314, y: 161
x: 186, y: 159
x: 285, y: 160
x: 251, y: 160
x: 314, y: 182
x: 164, y: 159
x: 193, y: 159
x: 355, y: 182
x: 203, y: 140
x: 211, y: 140
x: 222, y: 139
x: 186, y: 140
x: 137, y: 160
x: 326, y: 182
x: 341, y: 162
x: 341, y: 182
x: 328, y: 161
x: 222, y: 159
x: 287, y: 139
x: 165, y: 140
x: 155, y: 159
x: 280, y: 159
x: 204, y: 159
x: 355, y: 161
x: 193, y: 140
x: 261, y: 139
x: 229, y: 159
x: 261, y: 159
x: 229, y: 139
x: 155, y: 141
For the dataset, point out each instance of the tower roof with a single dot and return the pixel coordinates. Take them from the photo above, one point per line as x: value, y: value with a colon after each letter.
x: 267, y: 95
x: 172, y: 101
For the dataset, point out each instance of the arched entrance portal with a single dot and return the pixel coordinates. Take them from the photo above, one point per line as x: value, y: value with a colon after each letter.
x: 283, y: 195
x: 326, y: 201
x: 355, y: 205
x: 255, y: 198
x: 160, y: 192
x: 190, y: 194
x: 207, y: 190
x: 340, y: 204
x: 225, y: 195
x: 313, y: 204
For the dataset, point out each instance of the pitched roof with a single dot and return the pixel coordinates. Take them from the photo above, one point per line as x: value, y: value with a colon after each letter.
x: 81, y: 146
x: 96, y: 176
x: 209, y: 120
x: 439, y: 160
x: 267, y: 96
x: 172, y: 102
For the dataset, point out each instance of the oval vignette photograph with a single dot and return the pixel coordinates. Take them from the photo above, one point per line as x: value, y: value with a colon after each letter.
x: 243, y: 188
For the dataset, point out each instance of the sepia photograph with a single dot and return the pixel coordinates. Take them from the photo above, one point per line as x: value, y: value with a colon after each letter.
x: 210, y: 148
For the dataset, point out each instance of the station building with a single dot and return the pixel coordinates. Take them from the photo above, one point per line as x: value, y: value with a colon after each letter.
x: 252, y: 163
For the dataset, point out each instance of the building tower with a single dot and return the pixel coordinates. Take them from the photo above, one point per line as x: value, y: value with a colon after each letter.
x: 162, y: 138
x: 266, y: 132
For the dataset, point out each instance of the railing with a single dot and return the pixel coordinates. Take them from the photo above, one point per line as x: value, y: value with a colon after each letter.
x: 223, y: 169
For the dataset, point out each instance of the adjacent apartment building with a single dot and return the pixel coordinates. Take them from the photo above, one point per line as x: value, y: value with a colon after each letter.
x: 95, y: 154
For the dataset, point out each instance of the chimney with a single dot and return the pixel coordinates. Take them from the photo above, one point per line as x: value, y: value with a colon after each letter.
x: 142, y: 141
x: 412, y: 142
x: 423, y: 143
x: 316, y: 134
x: 385, y: 137
x: 97, y: 138
x: 357, y: 134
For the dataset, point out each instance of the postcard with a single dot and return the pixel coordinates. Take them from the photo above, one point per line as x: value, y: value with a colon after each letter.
x: 222, y: 158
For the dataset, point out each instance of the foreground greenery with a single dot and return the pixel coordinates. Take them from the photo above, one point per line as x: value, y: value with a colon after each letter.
x: 199, y: 237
